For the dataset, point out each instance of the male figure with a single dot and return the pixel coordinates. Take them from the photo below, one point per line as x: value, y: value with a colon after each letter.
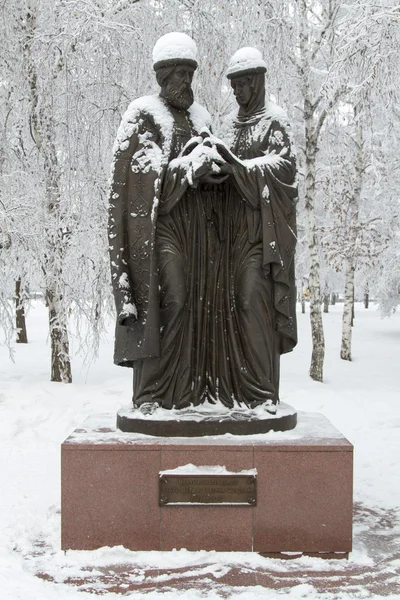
x: 159, y: 232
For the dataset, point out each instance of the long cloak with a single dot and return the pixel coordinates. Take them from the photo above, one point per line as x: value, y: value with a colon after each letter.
x: 255, y: 296
x: 156, y: 216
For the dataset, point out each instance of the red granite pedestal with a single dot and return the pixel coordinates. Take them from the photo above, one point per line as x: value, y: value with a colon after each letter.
x: 304, y: 490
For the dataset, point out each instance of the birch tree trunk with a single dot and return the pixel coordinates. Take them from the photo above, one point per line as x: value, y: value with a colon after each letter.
x: 43, y: 134
x: 60, y: 360
x: 317, y: 329
x: 345, y: 350
x: 53, y: 267
x: 20, y: 322
x: 348, y: 308
x: 311, y: 139
x: 366, y: 300
x: 326, y: 303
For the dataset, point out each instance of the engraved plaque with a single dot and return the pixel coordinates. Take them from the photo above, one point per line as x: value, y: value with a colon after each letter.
x: 208, y: 489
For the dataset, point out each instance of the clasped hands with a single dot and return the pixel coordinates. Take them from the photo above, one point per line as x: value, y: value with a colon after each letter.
x: 211, y: 160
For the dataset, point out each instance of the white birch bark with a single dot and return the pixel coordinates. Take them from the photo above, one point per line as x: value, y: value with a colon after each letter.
x: 303, y: 299
x: 366, y: 299
x: 311, y: 138
x: 316, y: 108
x: 20, y: 321
x: 43, y: 135
x: 317, y: 329
x: 326, y: 303
x: 348, y: 308
x: 60, y: 359
x: 345, y: 350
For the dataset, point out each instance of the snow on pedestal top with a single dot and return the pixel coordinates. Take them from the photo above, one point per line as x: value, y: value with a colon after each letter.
x: 312, y: 429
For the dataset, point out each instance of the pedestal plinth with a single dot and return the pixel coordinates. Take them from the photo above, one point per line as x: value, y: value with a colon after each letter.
x: 110, y: 490
x: 199, y: 422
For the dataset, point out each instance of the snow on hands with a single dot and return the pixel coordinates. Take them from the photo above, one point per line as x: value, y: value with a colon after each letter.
x: 201, y: 160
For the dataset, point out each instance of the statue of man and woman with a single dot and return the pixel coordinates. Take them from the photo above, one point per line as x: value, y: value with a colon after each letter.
x: 202, y: 233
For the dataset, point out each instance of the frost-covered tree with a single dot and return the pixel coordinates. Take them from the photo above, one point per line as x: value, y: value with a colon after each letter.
x: 18, y: 219
x: 383, y: 279
x: 360, y: 168
x: 68, y: 82
x: 335, y: 57
x: 353, y: 236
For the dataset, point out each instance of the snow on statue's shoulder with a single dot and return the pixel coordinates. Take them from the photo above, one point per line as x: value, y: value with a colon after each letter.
x: 156, y: 108
x: 275, y: 112
x: 130, y: 123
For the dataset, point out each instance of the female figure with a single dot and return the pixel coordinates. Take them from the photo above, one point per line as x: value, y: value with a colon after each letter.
x: 255, y: 298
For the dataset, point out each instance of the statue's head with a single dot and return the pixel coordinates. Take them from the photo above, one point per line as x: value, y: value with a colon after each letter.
x: 246, y: 72
x: 175, y: 61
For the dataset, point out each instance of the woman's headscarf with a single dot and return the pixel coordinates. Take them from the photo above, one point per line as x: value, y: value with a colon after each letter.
x: 257, y: 101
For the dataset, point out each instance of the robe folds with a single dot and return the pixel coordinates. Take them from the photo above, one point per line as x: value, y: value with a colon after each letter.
x: 255, y: 300
x: 159, y: 235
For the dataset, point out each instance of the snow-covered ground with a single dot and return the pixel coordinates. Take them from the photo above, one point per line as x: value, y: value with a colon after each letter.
x: 361, y: 398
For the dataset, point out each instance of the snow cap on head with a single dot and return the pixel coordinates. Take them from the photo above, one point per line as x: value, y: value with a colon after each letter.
x: 174, y: 48
x: 244, y: 61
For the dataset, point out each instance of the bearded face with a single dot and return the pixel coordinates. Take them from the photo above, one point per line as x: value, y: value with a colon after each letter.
x: 176, y: 86
x: 180, y: 96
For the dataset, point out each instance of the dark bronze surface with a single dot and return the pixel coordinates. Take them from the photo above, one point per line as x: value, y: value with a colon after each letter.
x: 236, y: 425
x: 208, y: 489
x: 202, y: 264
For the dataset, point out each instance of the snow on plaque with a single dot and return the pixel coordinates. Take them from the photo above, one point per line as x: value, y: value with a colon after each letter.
x: 212, y: 485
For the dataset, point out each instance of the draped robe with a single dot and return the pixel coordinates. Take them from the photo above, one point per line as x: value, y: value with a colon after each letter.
x: 160, y: 231
x: 254, y: 300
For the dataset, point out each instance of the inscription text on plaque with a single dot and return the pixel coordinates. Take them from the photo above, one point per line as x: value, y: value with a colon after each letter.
x: 208, y: 489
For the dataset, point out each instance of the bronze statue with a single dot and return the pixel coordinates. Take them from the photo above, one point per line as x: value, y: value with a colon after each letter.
x: 159, y: 232
x: 202, y: 237
x: 256, y: 300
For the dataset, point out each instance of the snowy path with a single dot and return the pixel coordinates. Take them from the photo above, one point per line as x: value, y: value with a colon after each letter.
x: 361, y: 398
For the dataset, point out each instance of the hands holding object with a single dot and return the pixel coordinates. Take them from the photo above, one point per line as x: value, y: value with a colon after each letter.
x: 215, y: 167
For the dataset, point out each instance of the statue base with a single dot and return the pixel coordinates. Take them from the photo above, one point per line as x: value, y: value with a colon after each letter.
x: 207, y: 420
x: 112, y: 490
